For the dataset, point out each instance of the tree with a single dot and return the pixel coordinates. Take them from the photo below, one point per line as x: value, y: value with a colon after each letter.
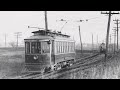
x: 12, y: 44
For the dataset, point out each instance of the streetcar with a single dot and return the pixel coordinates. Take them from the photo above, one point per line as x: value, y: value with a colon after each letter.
x: 48, y: 50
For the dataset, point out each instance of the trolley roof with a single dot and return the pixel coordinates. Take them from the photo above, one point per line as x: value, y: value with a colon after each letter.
x: 48, y: 35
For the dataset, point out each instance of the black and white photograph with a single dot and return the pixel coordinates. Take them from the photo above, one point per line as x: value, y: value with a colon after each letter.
x: 59, y: 45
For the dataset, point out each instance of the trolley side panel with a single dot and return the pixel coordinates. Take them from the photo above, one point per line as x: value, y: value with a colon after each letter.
x: 38, y: 64
x: 64, y: 57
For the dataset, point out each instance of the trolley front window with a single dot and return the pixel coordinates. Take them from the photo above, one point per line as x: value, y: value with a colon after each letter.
x: 37, y: 47
x: 27, y: 47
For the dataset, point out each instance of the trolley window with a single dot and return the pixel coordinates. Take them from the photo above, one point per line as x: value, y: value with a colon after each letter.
x: 72, y: 47
x: 62, y: 47
x: 68, y: 47
x: 45, y: 47
x: 57, y: 47
x: 40, y: 47
x: 36, y: 47
x: 65, y: 47
x: 27, y: 47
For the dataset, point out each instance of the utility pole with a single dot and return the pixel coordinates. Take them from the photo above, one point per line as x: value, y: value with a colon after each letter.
x: 97, y: 43
x: 114, y: 40
x: 5, y: 40
x: 117, y: 22
x: 92, y: 43
x: 110, y: 43
x: 108, y: 30
x: 17, y: 34
x: 80, y: 39
x: 46, y: 22
x: 80, y: 34
x: 110, y: 39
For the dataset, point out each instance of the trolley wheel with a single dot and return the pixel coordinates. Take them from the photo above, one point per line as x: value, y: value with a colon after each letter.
x: 47, y: 69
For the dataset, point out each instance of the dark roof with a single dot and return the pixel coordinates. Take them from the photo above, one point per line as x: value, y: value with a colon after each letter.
x: 49, y: 32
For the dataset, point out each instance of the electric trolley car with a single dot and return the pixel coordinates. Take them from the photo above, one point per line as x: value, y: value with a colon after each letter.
x: 47, y: 50
x: 102, y: 48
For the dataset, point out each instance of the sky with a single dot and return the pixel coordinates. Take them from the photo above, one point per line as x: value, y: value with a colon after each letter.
x: 18, y: 21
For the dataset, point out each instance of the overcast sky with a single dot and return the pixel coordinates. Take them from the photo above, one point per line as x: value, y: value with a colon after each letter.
x: 18, y: 21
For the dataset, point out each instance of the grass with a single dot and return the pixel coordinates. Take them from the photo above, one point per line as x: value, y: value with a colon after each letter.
x: 11, y: 62
x: 109, y: 71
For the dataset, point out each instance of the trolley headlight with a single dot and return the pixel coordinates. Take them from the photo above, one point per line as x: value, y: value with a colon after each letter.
x: 35, y: 57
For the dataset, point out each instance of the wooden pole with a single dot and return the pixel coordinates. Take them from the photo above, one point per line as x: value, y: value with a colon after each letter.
x: 108, y: 30
x: 117, y: 22
x: 5, y: 40
x: 17, y: 34
x: 97, y: 43
x: 110, y: 44
x: 92, y: 43
x: 80, y: 39
x: 107, y: 37
x: 114, y: 41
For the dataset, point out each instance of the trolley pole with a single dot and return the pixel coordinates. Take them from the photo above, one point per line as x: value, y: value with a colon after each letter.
x: 46, y: 28
x: 46, y: 22
x: 108, y: 30
x: 80, y: 39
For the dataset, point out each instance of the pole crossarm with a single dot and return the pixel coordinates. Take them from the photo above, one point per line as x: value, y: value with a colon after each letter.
x: 110, y: 13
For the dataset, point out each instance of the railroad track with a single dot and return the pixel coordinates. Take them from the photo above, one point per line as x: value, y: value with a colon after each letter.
x: 65, y: 71
x: 39, y: 75
x: 78, y: 65
x: 76, y: 68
